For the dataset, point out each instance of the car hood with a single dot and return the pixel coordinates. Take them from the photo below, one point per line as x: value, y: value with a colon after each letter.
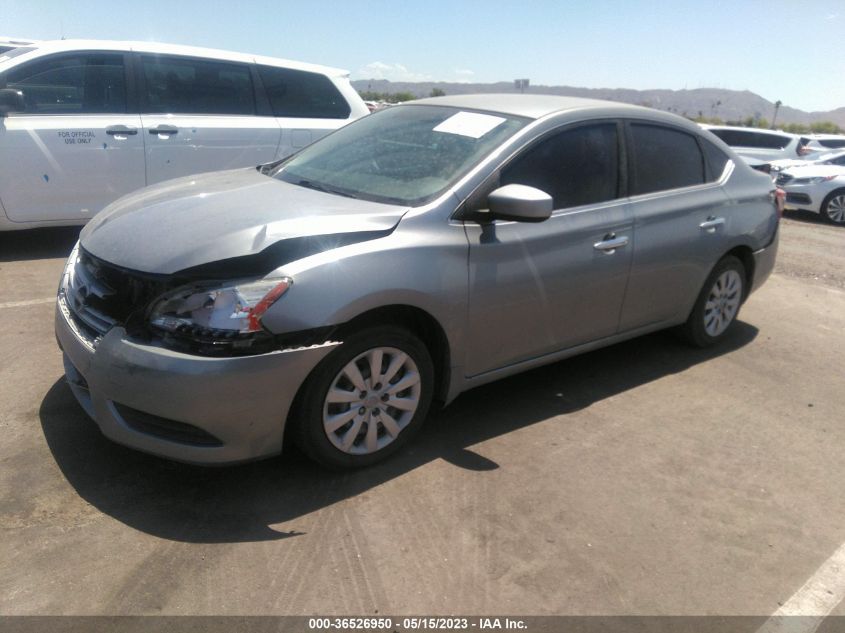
x: 231, y: 216
x: 812, y: 171
x: 784, y: 163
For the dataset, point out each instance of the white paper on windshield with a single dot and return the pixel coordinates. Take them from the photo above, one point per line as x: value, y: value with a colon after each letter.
x: 472, y: 124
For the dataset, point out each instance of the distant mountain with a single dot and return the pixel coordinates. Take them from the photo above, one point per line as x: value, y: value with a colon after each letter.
x: 728, y: 105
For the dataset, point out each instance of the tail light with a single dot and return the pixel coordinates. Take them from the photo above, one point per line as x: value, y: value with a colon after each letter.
x: 778, y: 198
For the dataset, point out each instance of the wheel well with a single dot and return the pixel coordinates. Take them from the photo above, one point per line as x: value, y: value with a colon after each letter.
x: 746, y: 256
x: 421, y: 324
x: 829, y: 196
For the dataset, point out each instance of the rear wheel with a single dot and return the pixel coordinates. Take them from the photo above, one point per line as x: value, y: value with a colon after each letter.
x: 718, y: 304
x: 833, y: 207
x: 365, y: 400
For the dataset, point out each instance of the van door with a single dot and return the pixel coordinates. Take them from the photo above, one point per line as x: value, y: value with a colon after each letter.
x: 77, y: 146
x: 199, y: 115
x: 307, y: 105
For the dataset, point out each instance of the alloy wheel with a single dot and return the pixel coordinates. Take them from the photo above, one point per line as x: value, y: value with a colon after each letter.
x: 371, y: 400
x: 722, y: 302
x: 836, y: 209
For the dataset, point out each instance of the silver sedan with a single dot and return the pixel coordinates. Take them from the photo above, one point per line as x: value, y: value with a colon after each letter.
x: 412, y: 255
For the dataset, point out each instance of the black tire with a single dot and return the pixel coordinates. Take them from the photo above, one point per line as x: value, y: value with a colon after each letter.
x: 695, y: 330
x: 839, y: 193
x: 307, y: 419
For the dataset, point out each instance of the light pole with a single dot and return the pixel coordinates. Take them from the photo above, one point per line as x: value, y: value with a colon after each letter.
x: 778, y: 104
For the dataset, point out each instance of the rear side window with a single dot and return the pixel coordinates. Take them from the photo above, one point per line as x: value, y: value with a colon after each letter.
x: 716, y: 159
x: 743, y: 138
x: 833, y: 143
x: 296, y: 93
x: 576, y: 167
x: 664, y: 158
x: 85, y: 83
x: 194, y: 86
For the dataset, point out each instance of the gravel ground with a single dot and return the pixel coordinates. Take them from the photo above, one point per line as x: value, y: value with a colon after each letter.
x: 812, y: 249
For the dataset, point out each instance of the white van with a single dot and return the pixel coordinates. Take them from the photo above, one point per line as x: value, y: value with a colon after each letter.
x: 85, y: 122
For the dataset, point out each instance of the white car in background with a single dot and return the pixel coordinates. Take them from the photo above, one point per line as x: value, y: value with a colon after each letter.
x: 829, y: 141
x: 85, y: 122
x: 764, y: 145
x: 8, y: 43
x: 824, y: 158
x: 816, y: 188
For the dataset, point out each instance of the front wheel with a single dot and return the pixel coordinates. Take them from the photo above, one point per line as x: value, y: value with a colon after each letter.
x: 718, y: 304
x: 833, y: 208
x: 365, y: 400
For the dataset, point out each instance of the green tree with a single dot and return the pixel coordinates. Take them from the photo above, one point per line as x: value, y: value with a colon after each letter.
x: 437, y: 92
x: 399, y: 97
x: 825, y: 127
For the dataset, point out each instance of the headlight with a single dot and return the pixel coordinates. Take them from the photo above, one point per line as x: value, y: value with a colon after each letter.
x: 216, y: 315
x: 816, y: 180
x: 70, y: 264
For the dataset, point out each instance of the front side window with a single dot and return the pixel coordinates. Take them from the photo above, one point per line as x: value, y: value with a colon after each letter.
x: 193, y: 86
x: 85, y: 83
x: 402, y: 155
x: 296, y: 93
x: 664, y: 158
x: 576, y: 167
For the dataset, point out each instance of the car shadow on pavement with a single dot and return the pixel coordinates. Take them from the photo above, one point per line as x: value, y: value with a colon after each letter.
x: 241, y: 503
x: 49, y: 243
x: 805, y: 216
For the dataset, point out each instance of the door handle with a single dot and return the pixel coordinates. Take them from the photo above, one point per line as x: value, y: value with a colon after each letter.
x: 711, y: 223
x: 610, y: 243
x: 121, y: 130
x: 164, y: 129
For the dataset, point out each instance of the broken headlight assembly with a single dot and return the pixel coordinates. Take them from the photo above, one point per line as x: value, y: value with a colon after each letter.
x: 218, y: 318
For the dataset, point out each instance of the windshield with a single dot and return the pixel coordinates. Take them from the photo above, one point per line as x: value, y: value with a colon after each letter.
x: 402, y: 155
x: 7, y: 52
x: 829, y: 156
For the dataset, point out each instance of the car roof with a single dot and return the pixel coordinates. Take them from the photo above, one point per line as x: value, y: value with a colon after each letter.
x: 756, y: 130
x: 16, y: 41
x: 56, y: 46
x: 537, y: 106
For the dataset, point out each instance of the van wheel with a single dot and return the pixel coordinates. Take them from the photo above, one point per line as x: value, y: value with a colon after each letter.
x: 833, y: 207
x: 718, y: 304
x: 365, y: 400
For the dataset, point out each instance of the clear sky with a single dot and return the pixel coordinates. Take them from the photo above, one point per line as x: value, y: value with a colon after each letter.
x: 781, y: 49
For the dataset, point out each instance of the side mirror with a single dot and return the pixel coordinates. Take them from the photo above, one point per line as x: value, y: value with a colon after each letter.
x: 11, y: 100
x: 520, y: 203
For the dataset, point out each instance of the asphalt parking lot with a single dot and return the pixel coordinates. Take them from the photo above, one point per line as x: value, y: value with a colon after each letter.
x: 646, y: 478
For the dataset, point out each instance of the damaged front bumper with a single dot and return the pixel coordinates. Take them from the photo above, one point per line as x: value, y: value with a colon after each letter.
x: 184, y: 407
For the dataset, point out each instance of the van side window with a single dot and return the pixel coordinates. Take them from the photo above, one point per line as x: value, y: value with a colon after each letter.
x: 296, y: 93
x: 576, y: 167
x: 664, y: 158
x: 192, y: 86
x: 84, y: 83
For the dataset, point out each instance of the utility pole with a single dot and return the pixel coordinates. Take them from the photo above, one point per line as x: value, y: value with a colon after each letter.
x: 778, y: 104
